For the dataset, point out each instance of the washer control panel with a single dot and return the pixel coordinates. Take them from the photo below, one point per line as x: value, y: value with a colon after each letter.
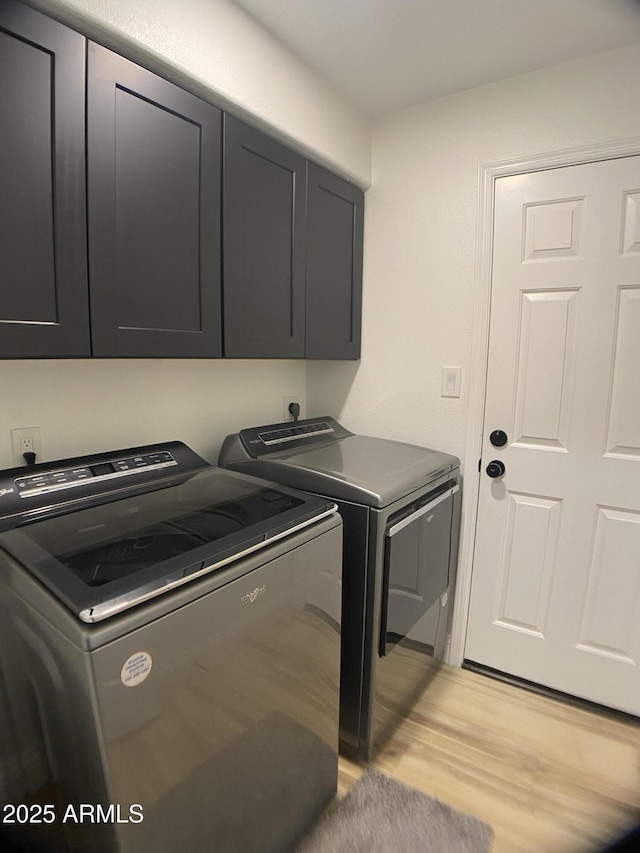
x: 32, y: 490
x: 67, y: 478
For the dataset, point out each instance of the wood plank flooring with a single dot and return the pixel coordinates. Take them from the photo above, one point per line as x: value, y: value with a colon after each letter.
x: 549, y: 777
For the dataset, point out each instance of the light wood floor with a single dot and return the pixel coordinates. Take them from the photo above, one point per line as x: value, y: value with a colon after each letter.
x: 547, y: 776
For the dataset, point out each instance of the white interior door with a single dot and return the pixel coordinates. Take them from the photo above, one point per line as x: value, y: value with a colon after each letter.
x: 555, y: 593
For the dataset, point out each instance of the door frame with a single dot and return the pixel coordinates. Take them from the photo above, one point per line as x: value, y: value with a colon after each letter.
x: 488, y: 173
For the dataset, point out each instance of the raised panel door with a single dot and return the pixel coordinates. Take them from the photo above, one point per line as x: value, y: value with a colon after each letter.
x: 335, y: 210
x: 263, y: 245
x: 43, y: 264
x: 154, y: 214
x: 556, y: 579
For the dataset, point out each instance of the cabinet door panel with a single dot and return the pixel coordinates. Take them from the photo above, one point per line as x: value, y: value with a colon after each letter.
x: 335, y: 210
x: 263, y: 245
x: 154, y: 222
x: 43, y: 293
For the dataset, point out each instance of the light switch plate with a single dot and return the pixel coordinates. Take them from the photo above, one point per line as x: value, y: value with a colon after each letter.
x: 451, y: 381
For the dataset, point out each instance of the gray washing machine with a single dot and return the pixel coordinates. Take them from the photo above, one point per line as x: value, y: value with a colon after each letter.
x: 169, y: 652
x: 400, y: 504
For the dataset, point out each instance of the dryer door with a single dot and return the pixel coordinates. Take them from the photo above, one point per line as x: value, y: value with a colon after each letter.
x: 417, y: 547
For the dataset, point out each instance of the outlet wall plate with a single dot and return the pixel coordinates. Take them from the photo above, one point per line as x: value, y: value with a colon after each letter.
x: 18, y: 438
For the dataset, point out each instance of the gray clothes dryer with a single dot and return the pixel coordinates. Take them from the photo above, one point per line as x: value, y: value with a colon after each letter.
x: 400, y: 505
x: 169, y: 652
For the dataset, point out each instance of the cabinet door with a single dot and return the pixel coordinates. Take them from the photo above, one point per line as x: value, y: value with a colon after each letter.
x: 335, y: 211
x: 263, y: 245
x: 43, y: 264
x: 154, y: 214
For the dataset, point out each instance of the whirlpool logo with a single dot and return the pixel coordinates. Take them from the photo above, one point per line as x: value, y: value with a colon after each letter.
x: 6, y: 492
x: 250, y: 597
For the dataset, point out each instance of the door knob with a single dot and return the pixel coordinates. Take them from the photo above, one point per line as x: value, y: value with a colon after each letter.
x: 498, y: 438
x: 495, y: 468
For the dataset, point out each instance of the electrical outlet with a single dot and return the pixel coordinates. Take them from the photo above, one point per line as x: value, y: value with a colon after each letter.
x: 25, y: 440
x: 287, y: 416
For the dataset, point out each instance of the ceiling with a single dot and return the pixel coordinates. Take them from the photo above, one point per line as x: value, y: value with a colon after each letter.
x: 387, y: 54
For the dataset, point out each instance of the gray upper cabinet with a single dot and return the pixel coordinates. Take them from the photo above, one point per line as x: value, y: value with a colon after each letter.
x: 133, y: 224
x: 263, y: 227
x: 43, y: 261
x: 335, y: 211
x: 292, y: 253
x: 154, y: 214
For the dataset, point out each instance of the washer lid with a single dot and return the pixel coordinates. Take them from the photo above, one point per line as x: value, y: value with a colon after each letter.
x: 101, y: 560
x: 370, y: 471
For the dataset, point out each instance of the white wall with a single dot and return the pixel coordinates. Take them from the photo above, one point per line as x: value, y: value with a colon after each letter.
x: 229, y: 55
x: 89, y: 406
x: 420, y: 236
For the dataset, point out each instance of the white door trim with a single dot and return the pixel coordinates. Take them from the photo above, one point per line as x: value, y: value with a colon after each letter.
x: 488, y: 173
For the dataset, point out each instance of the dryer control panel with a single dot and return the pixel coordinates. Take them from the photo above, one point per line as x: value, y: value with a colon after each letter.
x: 271, y: 438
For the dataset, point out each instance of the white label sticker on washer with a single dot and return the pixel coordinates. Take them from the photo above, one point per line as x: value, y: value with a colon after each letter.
x: 135, y: 669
